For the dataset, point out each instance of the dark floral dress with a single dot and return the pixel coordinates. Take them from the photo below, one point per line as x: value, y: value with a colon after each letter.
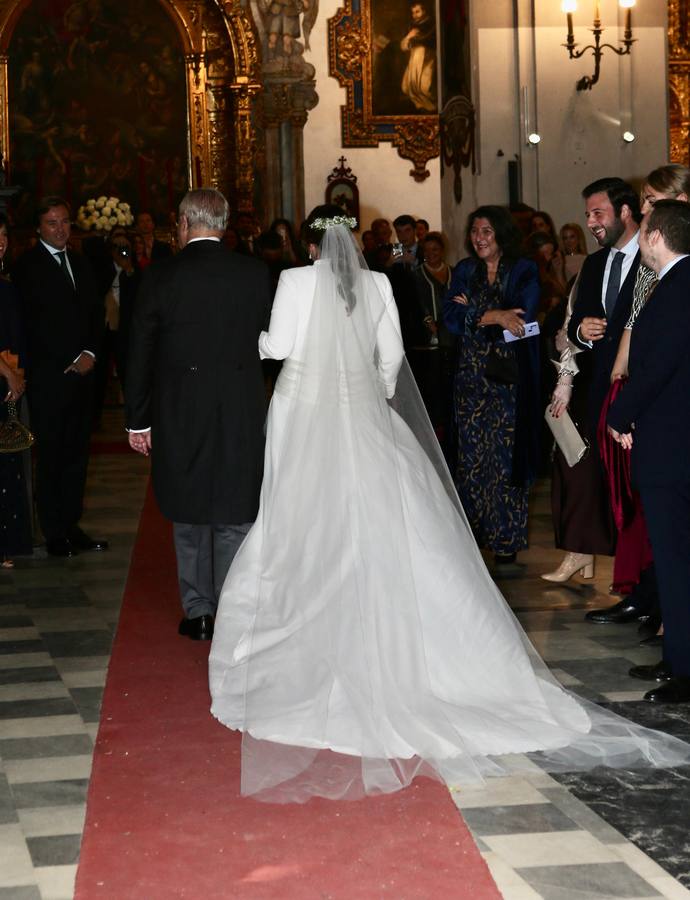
x: 486, y: 413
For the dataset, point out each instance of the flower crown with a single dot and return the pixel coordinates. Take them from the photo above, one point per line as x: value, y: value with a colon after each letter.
x: 323, y: 224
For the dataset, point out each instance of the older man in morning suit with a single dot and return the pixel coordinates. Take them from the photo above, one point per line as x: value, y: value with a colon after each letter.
x: 600, y: 313
x: 195, y: 398
x: 655, y: 403
x: 64, y: 317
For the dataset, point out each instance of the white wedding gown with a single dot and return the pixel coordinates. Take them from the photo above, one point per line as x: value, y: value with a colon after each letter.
x: 359, y: 639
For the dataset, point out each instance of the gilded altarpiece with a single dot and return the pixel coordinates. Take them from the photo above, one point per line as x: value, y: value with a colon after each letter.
x: 679, y: 80
x: 221, y: 65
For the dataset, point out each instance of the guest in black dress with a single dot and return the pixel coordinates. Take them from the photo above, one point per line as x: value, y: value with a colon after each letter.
x: 15, y: 518
x: 434, y: 356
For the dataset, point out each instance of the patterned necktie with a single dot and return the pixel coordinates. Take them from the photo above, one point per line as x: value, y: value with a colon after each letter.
x: 62, y: 258
x: 614, y: 284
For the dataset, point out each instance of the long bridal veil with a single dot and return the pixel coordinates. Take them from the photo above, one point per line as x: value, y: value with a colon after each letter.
x: 360, y: 639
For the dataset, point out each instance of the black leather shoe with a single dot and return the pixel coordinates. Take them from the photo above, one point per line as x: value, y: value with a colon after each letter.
x: 677, y: 690
x: 658, y: 672
x: 505, y: 559
x: 649, y: 626
x: 82, y: 541
x: 656, y: 640
x: 618, y: 614
x: 198, y: 629
x: 61, y: 547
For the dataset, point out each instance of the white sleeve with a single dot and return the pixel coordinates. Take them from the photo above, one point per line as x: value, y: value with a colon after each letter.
x: 279, y: 340
x: 389, y: 340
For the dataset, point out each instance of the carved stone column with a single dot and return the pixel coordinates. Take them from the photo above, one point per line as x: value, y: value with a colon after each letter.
x: 285, y: 109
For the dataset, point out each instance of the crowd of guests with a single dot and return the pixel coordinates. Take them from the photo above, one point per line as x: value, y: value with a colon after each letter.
x: 484, y: 371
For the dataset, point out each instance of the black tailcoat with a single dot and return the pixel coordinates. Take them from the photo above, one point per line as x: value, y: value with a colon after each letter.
x: 194, y: 377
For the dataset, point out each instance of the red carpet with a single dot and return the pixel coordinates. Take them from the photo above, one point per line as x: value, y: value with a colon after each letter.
x: 164, y: 818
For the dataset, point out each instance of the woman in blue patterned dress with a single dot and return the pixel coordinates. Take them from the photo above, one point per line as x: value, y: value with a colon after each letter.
x: 496, y: 404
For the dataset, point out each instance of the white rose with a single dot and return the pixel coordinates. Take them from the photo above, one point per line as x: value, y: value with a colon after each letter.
x: 113, y: 220
x: 90, y: 204
x: 107, y: 211
x: 99, y: 225
x: 129, y: 218
x: 125, y: 207
x: 100, y: 204
x: 121, y: 219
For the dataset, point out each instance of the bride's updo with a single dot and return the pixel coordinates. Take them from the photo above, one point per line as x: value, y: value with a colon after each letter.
x: 311, y: 235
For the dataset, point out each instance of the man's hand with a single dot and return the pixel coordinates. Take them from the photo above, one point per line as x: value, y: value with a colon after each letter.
x: 140, y: 441
x: 625, y: 440
x: 592, y: 329
x: 82, y: 365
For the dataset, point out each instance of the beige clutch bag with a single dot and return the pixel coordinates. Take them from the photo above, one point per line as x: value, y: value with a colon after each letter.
x: 571, y: 444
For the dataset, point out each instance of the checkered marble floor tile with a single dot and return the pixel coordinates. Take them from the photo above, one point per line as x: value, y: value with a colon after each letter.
x: 541, y: 837
x: 57, y: 621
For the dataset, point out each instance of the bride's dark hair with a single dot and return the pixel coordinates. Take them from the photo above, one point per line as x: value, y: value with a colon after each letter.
x: 312, y: 235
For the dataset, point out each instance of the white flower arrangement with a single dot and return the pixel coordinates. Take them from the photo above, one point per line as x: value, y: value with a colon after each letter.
x: 323, y: 224
x: 103, y: 214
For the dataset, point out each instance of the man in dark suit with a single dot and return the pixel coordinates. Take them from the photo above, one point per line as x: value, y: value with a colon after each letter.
x: 600, y: 313
x: 195, y: 398
x: 64, y: 323
x: 655, y: 403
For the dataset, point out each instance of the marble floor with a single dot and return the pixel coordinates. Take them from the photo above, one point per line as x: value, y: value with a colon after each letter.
x: 579, y: 837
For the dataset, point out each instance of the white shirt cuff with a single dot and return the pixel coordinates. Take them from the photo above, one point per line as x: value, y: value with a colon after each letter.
x: 582, y: 340
x: 137, y: 430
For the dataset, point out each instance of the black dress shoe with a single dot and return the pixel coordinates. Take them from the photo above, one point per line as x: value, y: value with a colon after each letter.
x: 61, y: 547
x: 654, y: 640
x: 618, y: 614
x: 649, y: 625
x: 82, y: 541
x: 504, y: 559
x: 677, y: 690
x: 198, y: 629
x: 658, y: 672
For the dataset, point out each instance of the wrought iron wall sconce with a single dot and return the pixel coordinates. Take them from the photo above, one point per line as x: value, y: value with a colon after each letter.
x: 569, y: 7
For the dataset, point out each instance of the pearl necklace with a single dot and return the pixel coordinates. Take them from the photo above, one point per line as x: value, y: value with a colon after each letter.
x: 436, y: 268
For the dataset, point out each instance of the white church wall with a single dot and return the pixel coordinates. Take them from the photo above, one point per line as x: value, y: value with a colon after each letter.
x: 581, y: 131
x: 385, y: 186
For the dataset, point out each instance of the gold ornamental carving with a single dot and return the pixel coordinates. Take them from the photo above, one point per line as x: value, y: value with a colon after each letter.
x: 222, y: 60
x: 679, y: 80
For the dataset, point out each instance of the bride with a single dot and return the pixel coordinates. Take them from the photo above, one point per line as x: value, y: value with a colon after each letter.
x: 360, y: 640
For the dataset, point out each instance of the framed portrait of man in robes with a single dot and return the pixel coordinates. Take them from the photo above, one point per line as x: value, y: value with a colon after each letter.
x: 384, y: 52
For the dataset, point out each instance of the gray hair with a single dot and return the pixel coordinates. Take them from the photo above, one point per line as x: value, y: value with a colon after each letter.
x: 205, y: 208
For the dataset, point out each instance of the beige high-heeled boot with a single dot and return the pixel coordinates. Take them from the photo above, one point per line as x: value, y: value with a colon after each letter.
x: 582, y: 563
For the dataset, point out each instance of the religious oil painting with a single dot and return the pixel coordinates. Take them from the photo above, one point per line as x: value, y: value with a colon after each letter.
x: 384, y: 53
x: 97, y: 92
x: 403, y: 58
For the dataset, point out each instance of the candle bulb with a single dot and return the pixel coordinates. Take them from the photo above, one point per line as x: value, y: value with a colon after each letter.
x: 569, y: 7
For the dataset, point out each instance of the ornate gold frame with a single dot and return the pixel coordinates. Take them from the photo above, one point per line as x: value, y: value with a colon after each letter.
x: 416, y: 137
x: 222, y: 58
